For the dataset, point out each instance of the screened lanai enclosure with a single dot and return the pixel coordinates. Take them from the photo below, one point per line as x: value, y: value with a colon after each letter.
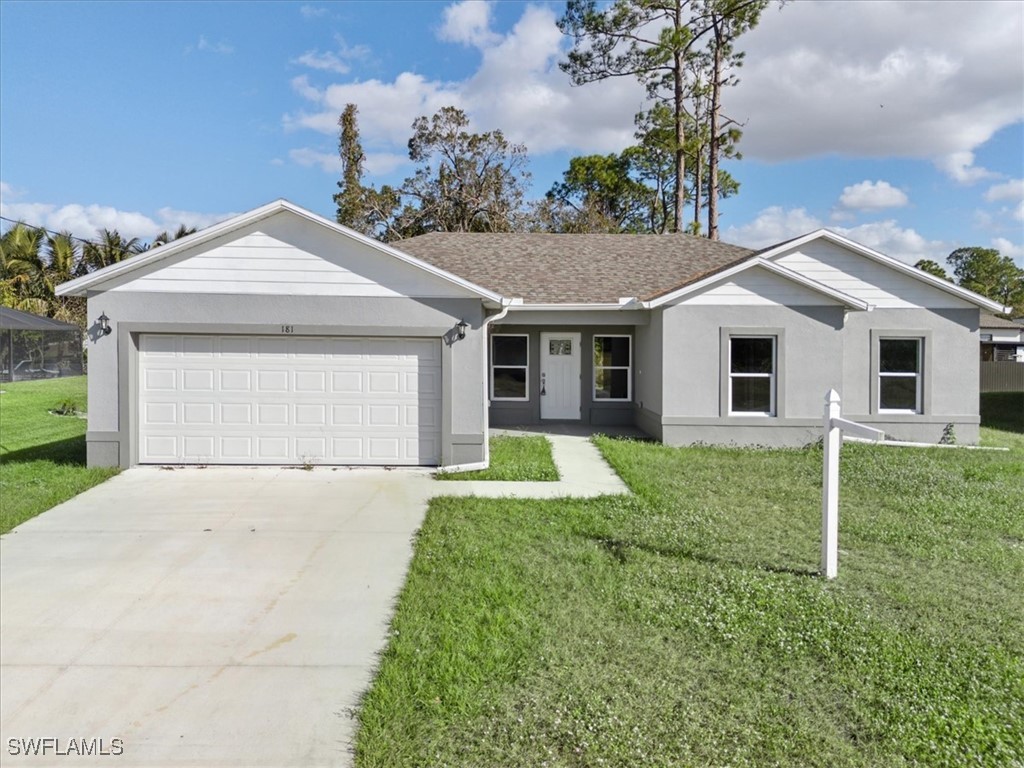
x: 34, y: 347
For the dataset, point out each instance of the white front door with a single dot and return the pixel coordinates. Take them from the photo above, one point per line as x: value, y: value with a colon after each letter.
x: 559, y: 375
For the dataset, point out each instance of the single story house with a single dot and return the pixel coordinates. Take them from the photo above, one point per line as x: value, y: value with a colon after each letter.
x: 280, y: 337
x: 1002, y: 340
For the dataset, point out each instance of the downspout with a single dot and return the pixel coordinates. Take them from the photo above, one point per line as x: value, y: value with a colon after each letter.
x: 506, y: 305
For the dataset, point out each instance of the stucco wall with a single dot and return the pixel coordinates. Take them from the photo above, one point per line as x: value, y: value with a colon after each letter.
x: 649, y: 377
x: 113, y: 366
x: 818, y: 349
x: 950, y: 376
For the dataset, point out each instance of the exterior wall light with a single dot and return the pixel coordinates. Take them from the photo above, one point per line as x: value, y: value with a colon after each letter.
x: 104, y: 322
x: 462, y: 328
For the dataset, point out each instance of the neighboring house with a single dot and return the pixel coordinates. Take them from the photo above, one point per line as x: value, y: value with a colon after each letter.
x: 1002, y: 340
x: 279, y: 337
x: 1002, y: 354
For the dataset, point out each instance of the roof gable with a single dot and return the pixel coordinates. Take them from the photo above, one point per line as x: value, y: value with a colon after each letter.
x: 868, y: 275
x: 757, y: 281
x: 278, y: 249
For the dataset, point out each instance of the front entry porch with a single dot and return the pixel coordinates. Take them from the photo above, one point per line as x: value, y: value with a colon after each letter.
x: 566, y: 376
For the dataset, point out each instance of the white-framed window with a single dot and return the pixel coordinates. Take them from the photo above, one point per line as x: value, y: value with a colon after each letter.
x: 752, y: 375
x: 510, y: 366
x: 899, y: 375
x: 613, y: 367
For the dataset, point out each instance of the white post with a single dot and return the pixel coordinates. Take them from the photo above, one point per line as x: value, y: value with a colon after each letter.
x: 830, y: 488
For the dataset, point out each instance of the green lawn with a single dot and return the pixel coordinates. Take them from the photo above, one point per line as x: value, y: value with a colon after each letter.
x: 1002, y: 419
x: 685, y: 625
x: 513, y: 458
x: 42, y: 456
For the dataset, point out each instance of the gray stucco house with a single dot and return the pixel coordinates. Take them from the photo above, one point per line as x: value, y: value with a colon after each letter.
x: 279, y: 337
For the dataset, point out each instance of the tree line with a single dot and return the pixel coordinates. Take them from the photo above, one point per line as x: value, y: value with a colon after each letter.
x: 684, y: 53
x: 984, y: 271
x: 34, y: 261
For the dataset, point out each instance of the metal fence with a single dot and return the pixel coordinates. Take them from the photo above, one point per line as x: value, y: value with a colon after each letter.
x: 1002, y: 377
x: 40, y: 354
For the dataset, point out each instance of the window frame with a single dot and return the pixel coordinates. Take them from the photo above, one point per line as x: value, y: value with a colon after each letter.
x: 772, y: 377
x: 918, y: 375
x: 525, y: 368
x: 594, y: 368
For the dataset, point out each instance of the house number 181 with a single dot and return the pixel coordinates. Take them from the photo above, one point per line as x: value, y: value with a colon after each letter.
x: 287, y: 329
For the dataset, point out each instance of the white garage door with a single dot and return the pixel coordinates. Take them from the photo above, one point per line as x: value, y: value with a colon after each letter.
x: 288, y: 400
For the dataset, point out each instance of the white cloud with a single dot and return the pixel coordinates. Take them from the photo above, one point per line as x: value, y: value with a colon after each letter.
x: 776, y: 224
x: 960, y: 167
x: 326, y: 61
x: 908, y: 79
x: 1010, y: 190
x: 171, y: 218
x: 921, y: 80
x: 1018, y: 212
x: 333, y: 61
x: 307, y: 158
x: 84, y: 220
x: 518, y: 88
x: 312, y: 12
x: 7, y: 192
x: 384, y: 162
x: 221, y: 48
x: 1008, y: 248
x: 872, y: 196
x: 386, y: 110
x: 772, y: 225
x: 469, y: 23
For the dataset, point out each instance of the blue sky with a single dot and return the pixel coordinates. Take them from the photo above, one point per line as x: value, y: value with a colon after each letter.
x: 898, y: 124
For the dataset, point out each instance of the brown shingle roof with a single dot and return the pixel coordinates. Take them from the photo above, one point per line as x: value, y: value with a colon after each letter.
x: 569, y: 269
x: 988, y: 320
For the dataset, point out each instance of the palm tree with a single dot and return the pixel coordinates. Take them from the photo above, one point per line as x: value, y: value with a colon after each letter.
x: 65, y: 260
x: 21, y: 262
x: 111, y: 249
x: 163, y: 238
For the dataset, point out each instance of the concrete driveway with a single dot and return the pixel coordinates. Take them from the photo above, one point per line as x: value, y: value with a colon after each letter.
x: 219, y: 616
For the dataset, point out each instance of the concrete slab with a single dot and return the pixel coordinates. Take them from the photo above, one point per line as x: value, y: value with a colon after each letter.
x: 213, y: 616
x: 222, y: 615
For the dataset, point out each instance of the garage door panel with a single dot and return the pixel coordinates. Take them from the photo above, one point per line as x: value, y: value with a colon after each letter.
x: 236, y: 414
x: 232, y: 399
x: 159, y: 346
x: 274, y: 449
x: 310, y: 381
x: 160, y: 379
x: 197, y: 346
x: 236, y: 381
x: 311, y: 448
x: 199, y: 447
x: 197, y: 380
x: 161, y: 447
x: 347, y: 415
x: 382, y: 381
x: 236, y: 448
x: 197, y: 413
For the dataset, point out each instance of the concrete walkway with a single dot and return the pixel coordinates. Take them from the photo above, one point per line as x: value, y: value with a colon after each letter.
x: 221, y: 616
x: 582, y: 472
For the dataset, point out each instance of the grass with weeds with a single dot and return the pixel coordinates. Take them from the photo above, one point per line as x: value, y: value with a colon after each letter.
x: 513, y: 458
x: 42, y: 455
x: 685, y: 625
